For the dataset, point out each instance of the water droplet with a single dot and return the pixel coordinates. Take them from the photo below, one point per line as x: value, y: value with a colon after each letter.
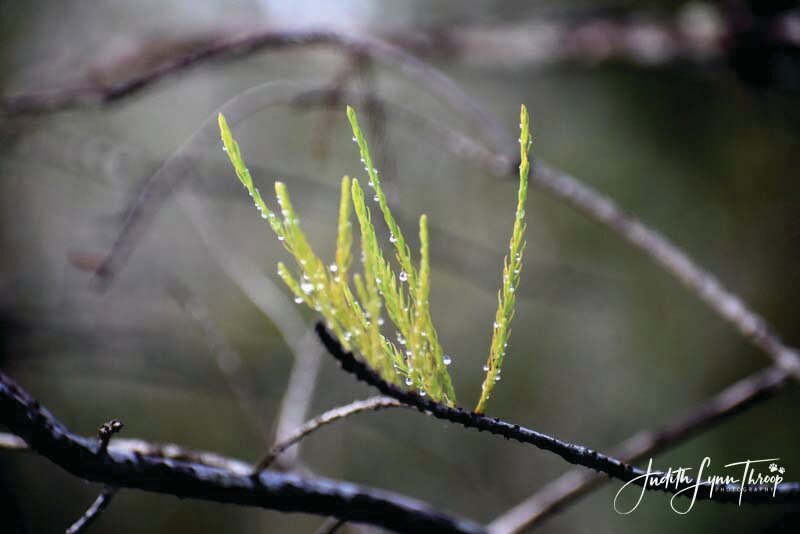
x: 446, y: 359
x: 485, y: 366
x: 224, y: 148
x: 263, y: 215
x: 401, y: 339
x: 511, y: 289
x: 371, y: 183
x: 355, y: 140
x: 409, y: 381
x: 403, y: 276
x: 496, y: 324
x: 298, y: 300
x: 376, y: 198
x: 521, y: 214
x: 422, y: 393
x: 380, y: 321
x: 307, y: 287
x: 280, y: 238
x: 392, y: 239
x: 497, y: 378
x: 333, y: 268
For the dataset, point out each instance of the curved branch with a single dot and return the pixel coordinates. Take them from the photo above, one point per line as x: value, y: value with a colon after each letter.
x: 331, y: 416
x: 246, y: 43
x: 572, y: 453
x: 577, y: 482
x: 672, y: 259
x: 269, y: 489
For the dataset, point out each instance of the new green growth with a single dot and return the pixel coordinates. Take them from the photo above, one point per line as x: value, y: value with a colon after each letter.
x: 398, y: 290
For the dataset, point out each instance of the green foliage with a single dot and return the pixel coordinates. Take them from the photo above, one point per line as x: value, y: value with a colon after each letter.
x: 416, y: 358
x: 512, y: 266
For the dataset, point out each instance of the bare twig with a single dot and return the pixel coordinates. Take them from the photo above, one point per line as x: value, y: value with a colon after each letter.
x: 570, y: 452
x: 94, y: 511
x: 105, y: 431
x: 577, y: 482
x: 676, y: 262
x: 299, y: 392
x: 288, y: 492
x: 333, y: 415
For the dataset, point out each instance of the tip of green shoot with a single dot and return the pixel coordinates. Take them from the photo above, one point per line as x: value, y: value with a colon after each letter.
x: 224, y: 129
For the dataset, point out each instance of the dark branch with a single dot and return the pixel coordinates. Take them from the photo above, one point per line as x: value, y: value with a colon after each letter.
x: 572, y: 453
x: 94, y: 511
x: 285, y: 492
x: 577, y: 482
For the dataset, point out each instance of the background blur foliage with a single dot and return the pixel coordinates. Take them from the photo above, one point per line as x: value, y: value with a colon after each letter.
x: 604, y: 342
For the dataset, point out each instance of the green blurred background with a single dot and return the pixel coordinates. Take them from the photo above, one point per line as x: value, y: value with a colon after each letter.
x: 604, y: 342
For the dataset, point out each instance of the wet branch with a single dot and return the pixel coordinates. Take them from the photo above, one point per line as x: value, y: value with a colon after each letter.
x: 570, y: 452
x: 286, y: 492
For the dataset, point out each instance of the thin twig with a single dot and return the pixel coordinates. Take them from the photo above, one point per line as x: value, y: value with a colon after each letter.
x: 288, y: 492
x: 673, y: 260
x: 94, y: 511
x: 570, y: 452
x: 577, y: 482
x: 312, y: 425
x: 105, y: 431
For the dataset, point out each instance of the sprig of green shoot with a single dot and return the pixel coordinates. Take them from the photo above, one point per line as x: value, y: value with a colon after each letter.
x: 512, y: 265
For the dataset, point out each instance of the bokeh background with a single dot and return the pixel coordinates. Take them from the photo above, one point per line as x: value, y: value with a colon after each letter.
x: 705, y: 149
